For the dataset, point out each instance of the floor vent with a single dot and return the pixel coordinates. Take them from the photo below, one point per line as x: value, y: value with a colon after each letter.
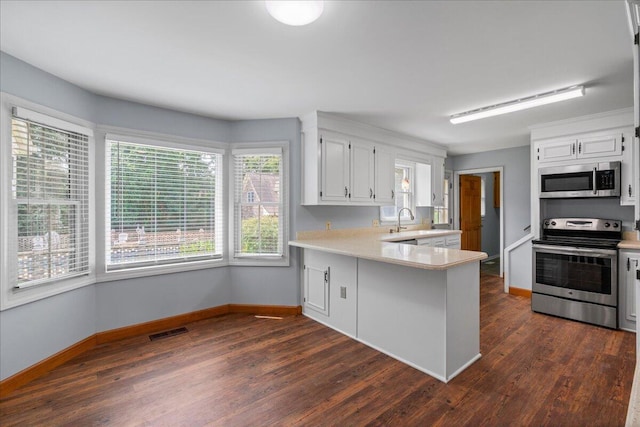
x: 167, y: 334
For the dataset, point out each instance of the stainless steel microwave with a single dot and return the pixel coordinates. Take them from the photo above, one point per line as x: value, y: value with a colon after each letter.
x: 585, y: 180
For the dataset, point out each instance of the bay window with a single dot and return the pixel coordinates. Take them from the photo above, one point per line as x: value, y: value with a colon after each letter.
x: 163, y: 203
x: 48, y: 207
x: 260, y: 208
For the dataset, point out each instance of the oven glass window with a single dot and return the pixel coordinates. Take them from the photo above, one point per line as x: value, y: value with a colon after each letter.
x: 578, y: 181
x: 583, y: 273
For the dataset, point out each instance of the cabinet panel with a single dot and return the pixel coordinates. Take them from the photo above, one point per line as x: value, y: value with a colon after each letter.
x: 335, y: 168
x: 557, y: 150
x: 629, y: 262
x: 362, y: 172
x: 316, y: 288
x: 384, y: 190
x: 453, y: 242
x: 437, y: 181
x: 598, y: 146
x: 628, y: 180
x: 423, y: 185
x: 330, y: 289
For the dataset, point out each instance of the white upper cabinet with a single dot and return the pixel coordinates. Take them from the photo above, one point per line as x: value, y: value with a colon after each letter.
x: 362, y: 172
x: 556, y: 150
x: 628, y: 179
x: 437, y: 181
x: 335, y: 167
x: 424, y: 196
x: 350, y: 163
x: 599, y: 146
x: 584, y: 147
x: 615, y: 145
x: 385, y: 161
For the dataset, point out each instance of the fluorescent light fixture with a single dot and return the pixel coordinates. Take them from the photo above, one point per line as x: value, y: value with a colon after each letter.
x: 519, y: 104
x: 295, y: 12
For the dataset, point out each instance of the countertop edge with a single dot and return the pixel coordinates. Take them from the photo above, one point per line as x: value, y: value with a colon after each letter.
x: 480, y: 256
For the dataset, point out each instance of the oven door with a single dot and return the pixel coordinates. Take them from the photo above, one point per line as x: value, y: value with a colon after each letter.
x: 581, y: 274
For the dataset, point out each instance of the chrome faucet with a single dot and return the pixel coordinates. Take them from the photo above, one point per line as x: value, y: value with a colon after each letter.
x: 398, y: 228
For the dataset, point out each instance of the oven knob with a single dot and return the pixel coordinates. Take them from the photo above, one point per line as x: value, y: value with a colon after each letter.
x: 553, y: 223
x: 546, y: 223
x: 615, y: 225
x: 606, y: 224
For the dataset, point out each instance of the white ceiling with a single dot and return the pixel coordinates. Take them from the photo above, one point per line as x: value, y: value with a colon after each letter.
x: 404, y: 66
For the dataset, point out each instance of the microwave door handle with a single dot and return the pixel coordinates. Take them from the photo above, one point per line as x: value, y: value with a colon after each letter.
x: 595, y: 184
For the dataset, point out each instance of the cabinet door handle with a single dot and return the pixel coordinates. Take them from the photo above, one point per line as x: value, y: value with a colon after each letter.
x: 346, y: 191
x: 371, y: 192
x: 326, y: 275
x: 573, y: 148
x: 629, y: 190
x: 579, y: 147
x: 393, y: 194
x: 628, y: 264
x: 434, y: 196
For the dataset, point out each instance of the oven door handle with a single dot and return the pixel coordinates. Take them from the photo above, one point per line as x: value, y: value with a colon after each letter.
x: 570, y: 250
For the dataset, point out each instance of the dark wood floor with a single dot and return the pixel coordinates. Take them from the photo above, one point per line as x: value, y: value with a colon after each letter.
x: 237, y: 370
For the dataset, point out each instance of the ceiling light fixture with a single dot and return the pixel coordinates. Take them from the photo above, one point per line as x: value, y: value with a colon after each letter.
x: 295, y: 12
x: 519, y: 104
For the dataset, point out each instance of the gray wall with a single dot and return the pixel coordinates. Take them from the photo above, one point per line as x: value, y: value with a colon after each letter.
x: 517, y: 184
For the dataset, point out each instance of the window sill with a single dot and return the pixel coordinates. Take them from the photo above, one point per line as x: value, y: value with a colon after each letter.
x: 16, y: 297
x: 260, y: 262
x: 155, y: 270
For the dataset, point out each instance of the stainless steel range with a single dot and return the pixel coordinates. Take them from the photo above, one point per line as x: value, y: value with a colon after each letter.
x: 575, y: 273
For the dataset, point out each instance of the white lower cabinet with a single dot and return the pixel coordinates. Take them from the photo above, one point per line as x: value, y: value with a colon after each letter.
x: 450, y: 241
x: 330, y: 290
x: 629, y: 263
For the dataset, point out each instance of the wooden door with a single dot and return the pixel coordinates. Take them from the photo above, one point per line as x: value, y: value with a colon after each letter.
x: 470, y: 219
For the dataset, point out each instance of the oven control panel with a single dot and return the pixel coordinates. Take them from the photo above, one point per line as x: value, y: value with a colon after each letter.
x: 582, y: 224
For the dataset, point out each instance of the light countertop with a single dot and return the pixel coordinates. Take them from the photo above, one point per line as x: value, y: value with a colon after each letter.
x: 629, y: 244
x: 377, y: 248
x: 417, y: 234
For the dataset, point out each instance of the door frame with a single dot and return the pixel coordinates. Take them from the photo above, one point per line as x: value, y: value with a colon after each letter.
x: 456, y: 203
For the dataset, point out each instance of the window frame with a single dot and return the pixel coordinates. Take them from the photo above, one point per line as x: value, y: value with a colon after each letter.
x: 260, y: 260
x: 444, y: 211
x: 161, y: 141
x: 10, y: 295
x: 405, y: 218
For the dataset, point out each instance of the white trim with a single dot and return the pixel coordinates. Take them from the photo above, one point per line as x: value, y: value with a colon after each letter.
x: 162, y: 140
x: 9, y: 296
x: 280, y: 147
x: 455, y: 194
x: 34, y: 116
x: 341, y: 124
x: 507, y: 254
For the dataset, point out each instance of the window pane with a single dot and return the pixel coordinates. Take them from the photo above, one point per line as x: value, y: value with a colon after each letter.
x: 50, y: 186
x: 258, y: 204
x: 164, y: 205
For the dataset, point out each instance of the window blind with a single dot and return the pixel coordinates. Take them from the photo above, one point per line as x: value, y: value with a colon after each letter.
x: 50, y: 188
x: 164, y: 205
x: 259, y: 203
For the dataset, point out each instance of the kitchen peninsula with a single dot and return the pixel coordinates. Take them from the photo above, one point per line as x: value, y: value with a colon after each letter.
x: 417, y: 303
